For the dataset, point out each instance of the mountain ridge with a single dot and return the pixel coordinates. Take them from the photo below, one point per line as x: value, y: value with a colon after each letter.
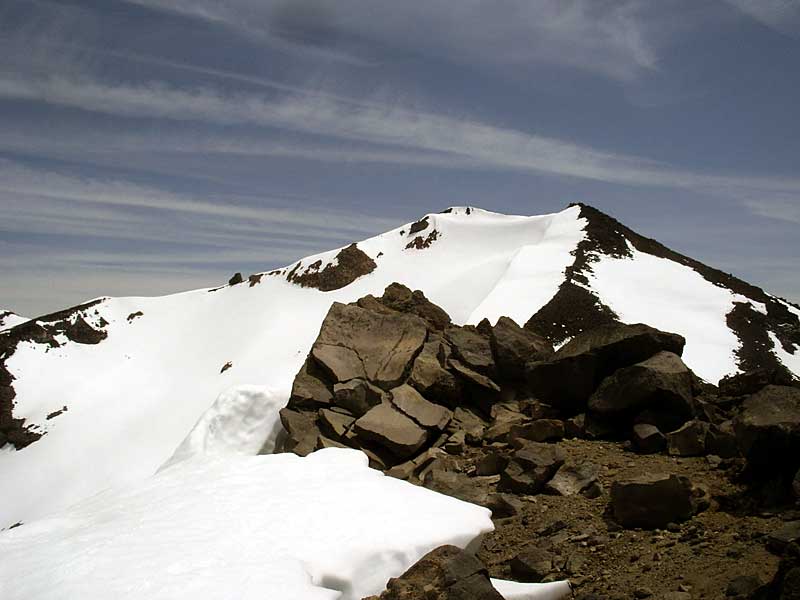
x: 141, y: 370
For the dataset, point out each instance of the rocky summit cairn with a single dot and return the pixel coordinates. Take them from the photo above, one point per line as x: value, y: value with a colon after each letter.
x: 575, y: 451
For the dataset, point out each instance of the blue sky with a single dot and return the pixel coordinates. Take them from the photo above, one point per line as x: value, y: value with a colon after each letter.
x: 151, y: 146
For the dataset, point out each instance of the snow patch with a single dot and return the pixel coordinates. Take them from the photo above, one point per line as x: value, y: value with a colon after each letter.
x: 790, y: 361
x: 674, y: 298
x: 243, y: 420
x: 9, y: 319
x: 511, y: 590
x: 323, y: 527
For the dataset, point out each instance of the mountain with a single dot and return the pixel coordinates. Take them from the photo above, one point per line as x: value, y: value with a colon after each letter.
x: 9, y: 319
x: 103, y: 393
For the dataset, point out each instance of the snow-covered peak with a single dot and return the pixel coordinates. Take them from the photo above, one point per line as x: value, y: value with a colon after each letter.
x: 117, y: 384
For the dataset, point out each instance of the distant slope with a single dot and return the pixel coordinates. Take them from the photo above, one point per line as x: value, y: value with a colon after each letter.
x: 116, y: 384
x: 9, y: 319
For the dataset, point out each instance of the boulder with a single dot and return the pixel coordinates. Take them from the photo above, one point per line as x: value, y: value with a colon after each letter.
x: 504, y: 505
x: 334, y: 423
x: 661, y: 382
x: 750, y: 382
x: 431, y: 379
x: 411, y: 403
x: 470, y: 423
x: 768, y: 429
x: 565, y: 383
x: 514, y: 346
x: 786, y: 583
x: 473, y: 378
x: 446, y: 573
x: 357, y: 396
x: 472, y: 349
x: 379, y: 347
x: 721, y: 440
x: 440, y: 478
x: 648, y: 439
x: 530, y: 467
x: 490, y: 464
x: 301, y: 431
x: 575, y: 427
x: 390, y: 429
x: 618, y: 345
x: 532, y: 564
x: 236, y: 279
x: 400, y: 298
x: 541, y: 430
x: 689, y: 440
x: 573, y: 479
x: 308, y: 392
x: 788, y: 533
x: 652, y: 501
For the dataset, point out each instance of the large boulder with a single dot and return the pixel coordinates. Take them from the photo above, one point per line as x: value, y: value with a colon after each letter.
x: 429, y: 376
x: 358, y: 343
x: 768, y: 429
x: 689, y: 440
x: 446, y: 573
x: 514, y: 346
x: 565, y: 383
x: 308, y: 391
x: 400, y: 298
x: 648, y: 439
x: 662, y: 383
x: 652, y: 501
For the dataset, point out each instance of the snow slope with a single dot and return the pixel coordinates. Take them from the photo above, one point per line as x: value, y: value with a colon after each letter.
x: 9, y: 319
x: 323, y: 527
x: 133, y: 397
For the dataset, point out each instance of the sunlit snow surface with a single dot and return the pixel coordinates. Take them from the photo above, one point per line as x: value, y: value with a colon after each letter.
x: 262, y: 527
x: 9, y: 319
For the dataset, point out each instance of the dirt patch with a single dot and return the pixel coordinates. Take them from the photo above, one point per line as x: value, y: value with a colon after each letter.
x: 351, y: 263
x: 703, y: 554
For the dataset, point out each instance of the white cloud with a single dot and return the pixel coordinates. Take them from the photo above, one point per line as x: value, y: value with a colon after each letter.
x: 611, y: 38
x: 780, y: 15
x: 480, y: 143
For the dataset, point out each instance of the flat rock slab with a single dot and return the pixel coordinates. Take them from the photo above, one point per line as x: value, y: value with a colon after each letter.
x: 390, y: 428
x: 427, y: 414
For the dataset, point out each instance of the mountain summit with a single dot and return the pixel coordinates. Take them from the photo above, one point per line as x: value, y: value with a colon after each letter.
x: 115, y: 384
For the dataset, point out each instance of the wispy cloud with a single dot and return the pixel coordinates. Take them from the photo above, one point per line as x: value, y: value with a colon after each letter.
x: 779, y: 15
x: 608, y: 38
x: 482, y: 144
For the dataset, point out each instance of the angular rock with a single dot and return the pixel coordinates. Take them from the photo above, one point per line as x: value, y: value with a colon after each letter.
x: 334, y: 424
x: 431, y: 379
x: 339, y: 363
x: 662, y: 382
x: 541, y: 430
x: 383, y: 343
x: 768, y: 429
x: 357, y: 396
x: 750, y: 382
x: 618, y: 345
x: 530, y: 468
x: 454, y: 484
x: 498, y: 431
x: 308, y: 391
x: 514, y: 346
x: 391, y: 429
x: 689, y: 440
x: 400, y: 298
x: 721, y: 440
x: 575, y: 427
x: 472, y: 349
x: 456, y: 443
x: 473, y: 377
x: 565, y: 383
x: 427, y: 414
x: 504, y: 505
x: 470, y: 423
x: 652, y: 501
x: 572, y: 479
x: 301, y: 431
x: 490, y: 464
x: 788, y: 533
x: 446, y: 573
x: 648, y: 439
x: 532, y: 564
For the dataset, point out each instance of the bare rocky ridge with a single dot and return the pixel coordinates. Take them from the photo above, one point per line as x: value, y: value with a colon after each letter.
x: 350, y: 264
x: 576, y: 451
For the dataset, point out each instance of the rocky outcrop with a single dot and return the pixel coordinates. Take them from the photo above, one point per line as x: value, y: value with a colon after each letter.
x: 350, y: 264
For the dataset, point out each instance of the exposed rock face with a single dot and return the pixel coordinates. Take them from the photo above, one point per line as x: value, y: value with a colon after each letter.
x: 350, y: 264
x: 768, y: 429
x: 358, y: 343
x: 398, y: 297
x: 514, y: 346
x: 446, y: 573
x: 651, y: 502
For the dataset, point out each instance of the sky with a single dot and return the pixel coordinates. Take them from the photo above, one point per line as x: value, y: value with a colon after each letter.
x: 154, y: 146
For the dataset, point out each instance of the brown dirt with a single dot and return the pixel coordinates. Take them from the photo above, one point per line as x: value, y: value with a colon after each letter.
x: 704, y: 553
